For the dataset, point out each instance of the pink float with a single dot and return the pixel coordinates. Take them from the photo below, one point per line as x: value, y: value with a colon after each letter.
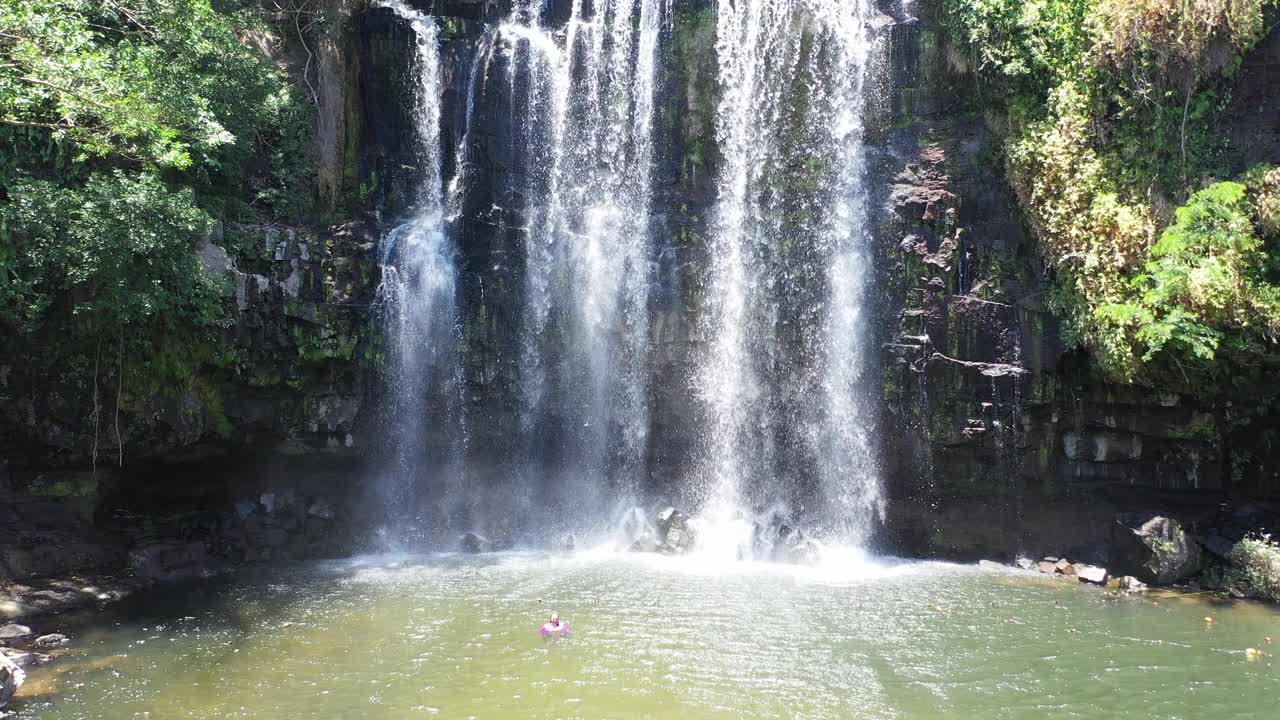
x: 552, y: 628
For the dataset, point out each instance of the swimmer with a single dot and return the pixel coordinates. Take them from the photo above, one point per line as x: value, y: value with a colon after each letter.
x: 554, y: 626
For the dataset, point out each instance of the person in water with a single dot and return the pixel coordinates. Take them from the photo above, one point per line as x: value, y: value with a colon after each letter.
x: 554, y: 626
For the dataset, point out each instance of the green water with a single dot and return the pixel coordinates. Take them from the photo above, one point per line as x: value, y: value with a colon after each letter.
x: 658, y: 637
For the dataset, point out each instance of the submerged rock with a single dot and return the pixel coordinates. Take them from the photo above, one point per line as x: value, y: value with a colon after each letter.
x: 1025, y: 563
x: 1154, y: 548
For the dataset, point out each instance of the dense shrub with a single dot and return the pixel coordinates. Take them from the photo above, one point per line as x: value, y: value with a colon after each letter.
x: 1255, y: 567
x: 111, y: 256
x: 1174, y: 42
x: 1111, y: 107
x: 126, y: 127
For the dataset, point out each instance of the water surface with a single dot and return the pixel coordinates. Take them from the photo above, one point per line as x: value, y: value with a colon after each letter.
x: 457, y: 637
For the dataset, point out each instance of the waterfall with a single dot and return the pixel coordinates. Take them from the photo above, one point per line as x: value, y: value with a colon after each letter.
x: 417, y: 298
x: 586, y: 133
x: 785, y: 379
x: 784, y: 376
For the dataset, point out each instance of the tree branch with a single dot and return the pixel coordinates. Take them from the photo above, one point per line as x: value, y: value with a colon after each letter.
x: 67, y: 90
x: 24, y: 123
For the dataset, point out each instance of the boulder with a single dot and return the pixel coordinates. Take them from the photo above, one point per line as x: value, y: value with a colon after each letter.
x: 1091, y: 574
x: 475, y: 544
x: 1025, y: 563
x: 1127, y: 584
x: 1062, y: 565
x: 679, y: 540
x: 14, y: 631
x: 668, y: 518
x: 1154, y: 548
x: 168, y: 561
x: 51, y: 640
x: 11, y: 678
x: 24, y: 659
x: 1047, y: 567
x: 675, y: 537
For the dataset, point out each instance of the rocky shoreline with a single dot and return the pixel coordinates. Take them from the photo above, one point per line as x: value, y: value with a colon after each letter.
x: 59, y: 556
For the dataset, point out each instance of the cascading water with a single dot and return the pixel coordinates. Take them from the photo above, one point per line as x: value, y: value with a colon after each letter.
x: 789, y: 415
x: 586, y: 125
x: 417, y: 298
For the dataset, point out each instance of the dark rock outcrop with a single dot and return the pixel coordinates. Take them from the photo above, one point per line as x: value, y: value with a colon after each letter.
x: 1153, y: 548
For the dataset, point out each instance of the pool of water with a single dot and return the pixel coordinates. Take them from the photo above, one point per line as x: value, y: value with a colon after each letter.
x: 456, y: 637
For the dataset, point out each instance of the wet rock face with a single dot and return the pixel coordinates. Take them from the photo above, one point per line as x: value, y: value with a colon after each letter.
x: 292, y: 376
x: 1154, y: 548
x: 45, y: 540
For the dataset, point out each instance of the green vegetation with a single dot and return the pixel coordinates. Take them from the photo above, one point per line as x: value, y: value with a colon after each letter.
x: 1255, y: 567
x: 1111, y: 106
x: 126, y: 128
